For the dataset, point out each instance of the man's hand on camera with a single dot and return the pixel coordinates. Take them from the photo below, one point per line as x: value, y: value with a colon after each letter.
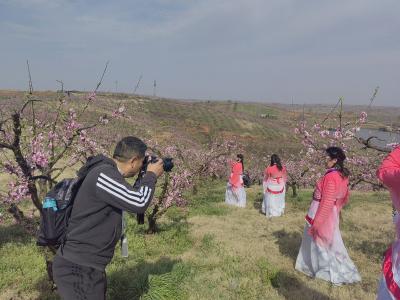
x: 157, y: 167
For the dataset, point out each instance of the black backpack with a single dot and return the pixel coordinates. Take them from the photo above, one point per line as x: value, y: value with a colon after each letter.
x: 56, y: 211
x: 246, y: 180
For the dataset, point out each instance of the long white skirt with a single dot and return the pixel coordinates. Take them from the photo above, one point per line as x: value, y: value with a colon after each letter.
x: 273, y: 204
x: 383, y: 291
x: 235, y: 196
x: 389, y: 285
x: 333, y: 264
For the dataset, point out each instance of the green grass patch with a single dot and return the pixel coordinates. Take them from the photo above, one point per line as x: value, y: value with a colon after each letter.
x: 268, y: 273
x: 209, y: 199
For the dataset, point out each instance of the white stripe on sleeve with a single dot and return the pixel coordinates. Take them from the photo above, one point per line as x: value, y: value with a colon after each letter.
x: 129, y: 200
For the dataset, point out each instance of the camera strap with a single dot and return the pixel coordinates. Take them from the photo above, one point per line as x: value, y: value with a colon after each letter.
x: 124, y: 240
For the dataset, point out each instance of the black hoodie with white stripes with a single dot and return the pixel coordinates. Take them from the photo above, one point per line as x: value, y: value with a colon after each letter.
x: 96, y: 219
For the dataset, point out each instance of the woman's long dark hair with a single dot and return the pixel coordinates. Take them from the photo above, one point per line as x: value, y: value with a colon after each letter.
x: 338, y: 154
x: 275, y: 160
x: 241, y: 157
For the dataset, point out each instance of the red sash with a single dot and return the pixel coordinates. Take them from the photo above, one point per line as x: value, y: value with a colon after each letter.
x: 275, y: 192
x: 388, y: 273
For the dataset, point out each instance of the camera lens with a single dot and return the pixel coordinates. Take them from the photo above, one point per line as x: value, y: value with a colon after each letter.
x: 168, y: 164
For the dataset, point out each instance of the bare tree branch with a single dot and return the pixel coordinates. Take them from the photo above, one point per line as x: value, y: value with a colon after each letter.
x: 371, y: 100
x: 367, y: 144
x: 331, y: 111
x: 68, y: 145
x: 7, y: 146
x: 27, y: 103
x: 43, y: 177
x: 101, y: 78
x: 137, y: 84
x: 62, y: 85
x: 95, y: 90
x: 375, y: 185
x: 30, y: 78
x: 21, y: 160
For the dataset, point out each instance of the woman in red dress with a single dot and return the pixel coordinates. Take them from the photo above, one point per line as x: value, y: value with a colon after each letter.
x: 274, y: 186
x: 235, y: 193
x: 322, y: 253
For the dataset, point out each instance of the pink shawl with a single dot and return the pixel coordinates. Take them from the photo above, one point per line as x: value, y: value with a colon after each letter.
x: 275, y: 173
x: 332, y: 190
x: 389, y: 174
x: 236, y: 171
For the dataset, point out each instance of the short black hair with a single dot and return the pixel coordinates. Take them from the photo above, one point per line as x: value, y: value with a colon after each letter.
x: 129, y: 147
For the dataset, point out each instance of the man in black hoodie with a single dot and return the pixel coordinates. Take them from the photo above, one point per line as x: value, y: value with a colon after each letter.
x: 95, y: 224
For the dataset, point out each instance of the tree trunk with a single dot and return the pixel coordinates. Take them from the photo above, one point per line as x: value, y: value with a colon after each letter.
x: 152, y: 218
x: 294, y: 190
x: 34, y: 196
x: 43, y: 188
x: 194, y: 189
x: 16, y: 213
x: 153, y: 228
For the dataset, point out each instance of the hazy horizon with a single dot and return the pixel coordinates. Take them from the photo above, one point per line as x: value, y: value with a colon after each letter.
x: 275, y: 51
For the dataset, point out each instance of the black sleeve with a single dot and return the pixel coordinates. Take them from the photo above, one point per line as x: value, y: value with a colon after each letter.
x: 111, y: 187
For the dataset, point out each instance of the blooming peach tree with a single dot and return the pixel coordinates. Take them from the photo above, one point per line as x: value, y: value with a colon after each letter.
x: 40, y: 139
x: 363, y: 156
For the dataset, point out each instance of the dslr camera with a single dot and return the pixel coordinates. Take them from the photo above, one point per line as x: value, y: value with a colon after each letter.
x: 168, y: 164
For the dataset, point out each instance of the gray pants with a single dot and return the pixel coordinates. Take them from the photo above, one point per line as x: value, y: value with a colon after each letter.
x: 76, y: 282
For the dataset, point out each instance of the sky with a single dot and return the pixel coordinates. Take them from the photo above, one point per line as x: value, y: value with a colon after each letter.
x: 312, y: 51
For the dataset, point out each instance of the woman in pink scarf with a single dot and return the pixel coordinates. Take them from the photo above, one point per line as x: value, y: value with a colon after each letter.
x: 389, y: 174
x: 235, y: 193
x: 322, y: 253
x: 274, y: 188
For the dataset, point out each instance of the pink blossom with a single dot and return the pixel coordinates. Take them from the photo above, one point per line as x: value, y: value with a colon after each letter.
x: 91, y: 97
x: 52, y: 135
x: 338, y: 134
x: 393, y: 145
x: 324, y: 133
x: 121, y: 109
x: 17, y: 191
x: 72, y: 113
x: 103, y: 120
x: 40, y: 159
x: 363, y: 117
x: 317, y: 127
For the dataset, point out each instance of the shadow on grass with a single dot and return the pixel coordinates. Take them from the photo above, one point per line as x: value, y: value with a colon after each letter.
x: 289, y: 287
x: 374, y: 250
x: 258, y: 202
x: 142, y: 281
x: 14, y: 233
x: 46, y: 290
x: 289, y: 243
x: 134, y: 282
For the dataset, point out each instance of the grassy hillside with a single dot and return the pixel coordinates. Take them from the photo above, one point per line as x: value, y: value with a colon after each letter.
x: 261, y: 128
x: 209, y: 250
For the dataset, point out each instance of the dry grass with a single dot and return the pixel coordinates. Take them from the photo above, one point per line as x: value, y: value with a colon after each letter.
x: 245, y: 238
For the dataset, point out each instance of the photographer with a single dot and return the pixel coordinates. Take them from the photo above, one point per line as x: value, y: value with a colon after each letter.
x: 95, y: 224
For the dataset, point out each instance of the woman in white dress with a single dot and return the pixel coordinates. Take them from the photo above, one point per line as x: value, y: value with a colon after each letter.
x: 235, y: 193
x: 274, y: 185
x: 322, y: 253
